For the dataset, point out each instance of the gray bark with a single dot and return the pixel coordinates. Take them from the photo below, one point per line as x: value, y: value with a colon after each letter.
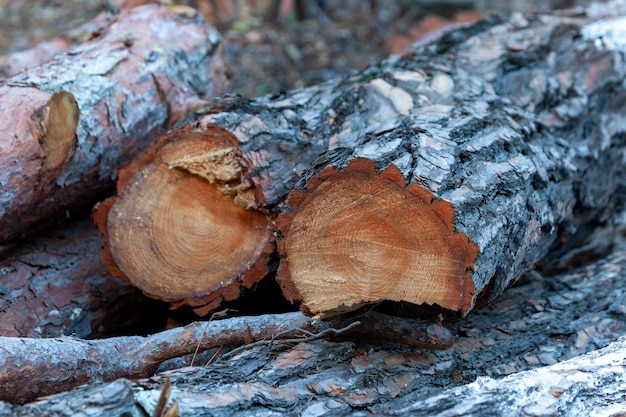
x: 34, y: 367
x: 519, y: 125
x: 524, y: 348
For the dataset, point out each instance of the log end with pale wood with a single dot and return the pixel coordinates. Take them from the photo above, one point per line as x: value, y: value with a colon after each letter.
x: 181, y: 228
x: 356, y: 236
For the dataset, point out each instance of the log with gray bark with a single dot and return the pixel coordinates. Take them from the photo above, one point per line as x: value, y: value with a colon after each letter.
x: 529, y: 327
x: 72, y: 122
x: 446, y: 174
x: 30, y: 368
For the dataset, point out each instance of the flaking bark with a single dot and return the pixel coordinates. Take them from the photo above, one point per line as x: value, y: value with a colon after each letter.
x: 513, y: 132
x: 529, y: 327
x: 14, y: 62
x: 30, y: 368
x: 516, y: 133
x: 56, y: 284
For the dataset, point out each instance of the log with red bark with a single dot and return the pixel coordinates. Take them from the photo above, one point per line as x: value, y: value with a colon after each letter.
x: 70, y: 124
x: 447, y: 173
x: 14, y: 62
x: 56, y: 284
x: 30, y: 368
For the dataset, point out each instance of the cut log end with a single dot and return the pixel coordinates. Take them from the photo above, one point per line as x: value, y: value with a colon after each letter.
x: 357, y: 236
x: 176, y: 231
x: 58, y: 119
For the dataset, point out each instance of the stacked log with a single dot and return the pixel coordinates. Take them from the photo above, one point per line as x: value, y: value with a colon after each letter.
x: 68, y: 127
x: 436, y: 178
x: 73, y: 122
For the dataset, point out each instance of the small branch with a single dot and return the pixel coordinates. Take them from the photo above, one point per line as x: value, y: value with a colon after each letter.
x: 310, y: 337
x: 30, y: 368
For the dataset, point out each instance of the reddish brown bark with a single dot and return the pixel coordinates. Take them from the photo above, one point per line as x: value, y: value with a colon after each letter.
x: 44, y: 52
x: 56, y: 284
x: 34, y: 367
x: 71, y: 123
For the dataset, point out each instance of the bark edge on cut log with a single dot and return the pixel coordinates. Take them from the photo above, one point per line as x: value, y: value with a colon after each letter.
x: 182, y: 219
x: 400, y: 243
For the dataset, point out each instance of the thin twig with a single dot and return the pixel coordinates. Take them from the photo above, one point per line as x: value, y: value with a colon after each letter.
x: 138, y: 357
x: 210, y: 361
x: 220, y: 314
x: 276, y: 338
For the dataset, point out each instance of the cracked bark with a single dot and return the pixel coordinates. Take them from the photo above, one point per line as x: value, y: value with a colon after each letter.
x: 506, y: 353
x: 14, y: 62
x: 56, y: 284
x: 64, y: 362
x: 502, y: 139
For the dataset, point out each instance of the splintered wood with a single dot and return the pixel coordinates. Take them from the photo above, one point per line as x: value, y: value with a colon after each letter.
x: 358, y: 236
x: 58, y: 119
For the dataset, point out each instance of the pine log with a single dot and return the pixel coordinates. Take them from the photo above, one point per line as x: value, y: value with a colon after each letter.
x: 168, y: 217
x: 71, y: 123
x: 453, y: 203
x: 14, y: 62
x: 578, y: 387
x: 449, y: 172
x: 30, y: 368
x: 530, y: 326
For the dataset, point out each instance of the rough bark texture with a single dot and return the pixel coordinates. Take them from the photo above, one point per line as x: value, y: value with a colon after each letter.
x: 506, y: 128
x: 531, y: 326
x: 516, y: 135
x: 75, y: 120
x: 58, y: 285
x: 34, y: 367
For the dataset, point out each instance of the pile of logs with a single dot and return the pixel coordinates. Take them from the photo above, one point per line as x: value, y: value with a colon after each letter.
x: 436, y: 178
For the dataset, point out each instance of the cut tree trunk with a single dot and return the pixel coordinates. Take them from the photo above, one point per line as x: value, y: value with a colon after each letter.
x: 449, y: 172
x: 71, y: 123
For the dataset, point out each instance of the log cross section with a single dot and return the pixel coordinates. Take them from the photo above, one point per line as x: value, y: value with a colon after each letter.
x: 438, y: 177
x: 180, y: 228
x: 358, y: 236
